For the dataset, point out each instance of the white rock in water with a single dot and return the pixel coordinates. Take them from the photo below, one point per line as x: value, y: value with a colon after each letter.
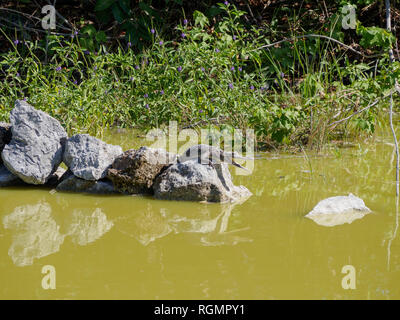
x: 338, y: 210
x: 340, y: 204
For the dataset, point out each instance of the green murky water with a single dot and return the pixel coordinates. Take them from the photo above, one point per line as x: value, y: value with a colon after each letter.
x: 140, y: 248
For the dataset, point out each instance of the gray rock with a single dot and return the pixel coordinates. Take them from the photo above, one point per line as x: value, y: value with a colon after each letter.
x: 36, y: 146
x: 192, y: 181
x: 5, y: 136
x: 71, y: 183
x: 205, y: 154
x: 89, y: 158
x: 338, y: 210
x: 134, y: 171
x: 8, y: 179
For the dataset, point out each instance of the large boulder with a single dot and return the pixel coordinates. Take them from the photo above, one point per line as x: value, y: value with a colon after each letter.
x: 36, y: 147
x: 89, y: 158
x: 192, y: 181
x: 338, y: 210
x: 71, y: 183
x: 134, y: 171
x: 5, y: 136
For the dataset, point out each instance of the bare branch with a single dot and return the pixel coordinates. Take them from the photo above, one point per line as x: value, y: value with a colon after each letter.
x: 363, y: 109
x: 203, y: 122
x: 28, y: 16
x: 58, y: 14
x: 19, y: 27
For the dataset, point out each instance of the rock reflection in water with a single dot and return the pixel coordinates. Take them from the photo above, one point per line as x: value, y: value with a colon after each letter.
x: 87, y: 226
x: 209, y: 221
x: 36, y: 233
x: 336, y: 219
x: 145, y: 226
x: 221, y: 235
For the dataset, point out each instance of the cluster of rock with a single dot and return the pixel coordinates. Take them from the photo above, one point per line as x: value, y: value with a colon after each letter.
x: 34, y: 145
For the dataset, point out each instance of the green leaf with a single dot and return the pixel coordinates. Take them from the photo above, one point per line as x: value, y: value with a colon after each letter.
x: 214, y: 11
x: 103, y: 4
x: 104, y: 16
x: 223, y: 27
x: 90, y: 30
x: 125, y: 5
x: 375, y: 37
x: 87, y: 44
x: 200, y: 19
x: 117, y: 13
x: 146, y: 8
x: 101, y: 37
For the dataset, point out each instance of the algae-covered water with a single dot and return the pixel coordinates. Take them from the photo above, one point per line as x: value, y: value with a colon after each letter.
x: 134, y: 247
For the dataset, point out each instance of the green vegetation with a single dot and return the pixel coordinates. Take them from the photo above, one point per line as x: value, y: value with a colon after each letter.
x: 213, y: 73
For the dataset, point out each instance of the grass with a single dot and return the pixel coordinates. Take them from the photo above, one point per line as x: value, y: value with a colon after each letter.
x: 210, y: 77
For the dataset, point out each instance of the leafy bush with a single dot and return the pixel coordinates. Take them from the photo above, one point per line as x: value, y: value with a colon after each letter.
x: 210, y: 76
